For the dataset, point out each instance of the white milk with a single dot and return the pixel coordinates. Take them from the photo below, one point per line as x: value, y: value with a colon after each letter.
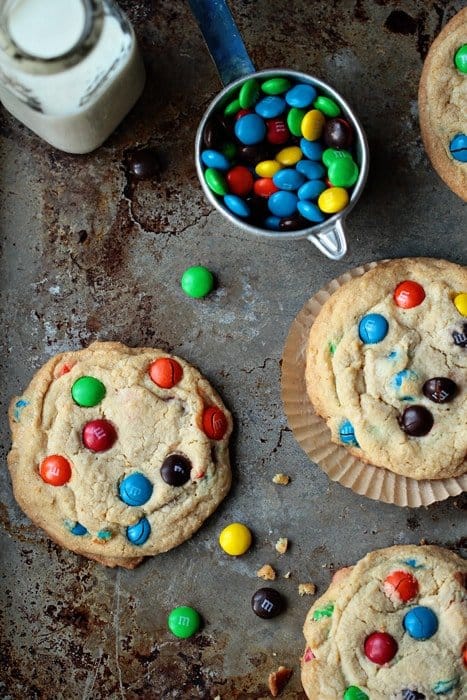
x: 69, y: 74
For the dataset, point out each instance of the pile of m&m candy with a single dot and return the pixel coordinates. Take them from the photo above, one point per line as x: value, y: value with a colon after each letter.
x: 99, y: 435
x: 416, y: 420
x: 458, y: 144
x: 279, y: 155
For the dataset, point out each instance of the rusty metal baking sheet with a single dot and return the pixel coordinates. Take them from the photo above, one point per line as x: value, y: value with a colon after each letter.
x: 90, y: 253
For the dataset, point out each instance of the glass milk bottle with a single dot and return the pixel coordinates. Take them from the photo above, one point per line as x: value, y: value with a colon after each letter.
x: 69, y: 69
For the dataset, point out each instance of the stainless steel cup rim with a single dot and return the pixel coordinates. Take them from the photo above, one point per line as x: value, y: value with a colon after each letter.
x: 312, y: 231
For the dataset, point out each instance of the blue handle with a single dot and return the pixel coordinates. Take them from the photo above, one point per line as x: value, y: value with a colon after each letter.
x: 223, y: 39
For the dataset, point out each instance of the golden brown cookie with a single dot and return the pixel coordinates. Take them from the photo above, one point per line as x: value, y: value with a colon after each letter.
x: 392, y: 627
x: 119, y: 453
x: 387, y: 367
x: 442, y: 100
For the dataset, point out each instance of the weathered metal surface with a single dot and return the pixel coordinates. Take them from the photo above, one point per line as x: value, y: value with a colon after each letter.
x: 89, y: 252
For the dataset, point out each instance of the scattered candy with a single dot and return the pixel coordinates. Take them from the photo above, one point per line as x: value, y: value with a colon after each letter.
x: 460, y: 302
x: 440, y: 389
x: 138, y: 534
x: 259, y: 129
x: 135, y: 489
x: 372, y: 328
x: 87, y: 391
x: 458, y: 148
x: 197, y: 281
x: 420, y: 622
x: 143, y: 164
x: 408, y: 294
x: 176, y: 470
x: 380, y: 647
x: 416, y: 421
x: 327, y: 611
x: 353, y: 692
x: 184, y: 621
x: 214, y: 423
x: 55, y: 470
x: 460, y: 58
x: 99, y: 435
x: 165, y: 372
x: 347, y: 434
x: 267, y: 603
x: 400, y: 586
x: 235, y: 539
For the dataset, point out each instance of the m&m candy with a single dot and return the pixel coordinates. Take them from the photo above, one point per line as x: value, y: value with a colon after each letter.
x: 353, y: 692
x: 372, y: 328
x: 135, y: 489
x: 55, y: 470
x: 176, y: 470
x: 460, y: 302
x: 380, y: 647
x: 458, y: 148
x: 184, y: 621
x: 214, y: 423
x: 99, y: 435
x: 400, y: 586
x: 197, y: 281
x: 408, y: 294
x: 416, y: 421
x: 87, y: 391
x: 440, y: 389
x: 138, y: 534
x: 165, y: 372
x: 235, y: 539
x: 267, y: 603
x: 420, y: 622
x: 460, y: 58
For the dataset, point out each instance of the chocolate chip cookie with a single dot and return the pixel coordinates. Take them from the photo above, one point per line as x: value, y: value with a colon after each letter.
x: 392, y: 627
x: 387, y: 367
x: 119, y: 453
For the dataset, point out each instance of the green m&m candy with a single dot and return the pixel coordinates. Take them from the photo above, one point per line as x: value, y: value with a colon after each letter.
x: 184, y: 621
x: 343, y: 172
x: 332, y: 154
x: 327, y: 106
x: 460, y: 58
x: 294, y: 120
x: 249, y: 93
x: 87, y: 391
x: 197, y: 281
x: 215, y: 181
x: 232, y: 108
x: 353, y: 692
x: 275, y: 86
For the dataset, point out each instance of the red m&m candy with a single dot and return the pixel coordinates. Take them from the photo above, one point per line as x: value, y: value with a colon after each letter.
x: 277, y: 131
x: 99, y: 435
x: 380, y: 647
x: 55, y: 470
x: 214, y: 423
x: 408, y: 294
x: 239, y: 180
x: 165, y: 372
x: 400, y: 586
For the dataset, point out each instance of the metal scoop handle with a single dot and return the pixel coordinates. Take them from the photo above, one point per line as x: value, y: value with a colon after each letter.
x: 223, y: 39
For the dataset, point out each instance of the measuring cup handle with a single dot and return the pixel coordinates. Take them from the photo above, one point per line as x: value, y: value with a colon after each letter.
x: 222, y: 38
x: 331, y: 241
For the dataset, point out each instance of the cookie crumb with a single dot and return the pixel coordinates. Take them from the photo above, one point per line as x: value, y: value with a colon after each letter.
x: 266, y: 572
x: 278, y: 680
x: 281, y: 545
x: 281, y: 479
x: 306, y: 589
x: 288, y: 574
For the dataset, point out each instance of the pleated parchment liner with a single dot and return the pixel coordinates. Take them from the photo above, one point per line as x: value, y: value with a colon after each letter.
x: 312, y: 433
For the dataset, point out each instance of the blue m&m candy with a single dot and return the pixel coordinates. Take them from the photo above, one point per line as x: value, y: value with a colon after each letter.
x: 250, y: 129
x: 288, y: 179
x: 311, y: 149
x: 135, y: 489
x: 347, y: 434
x: 420, y: 623
x: 237, y: 205
x: 282, y: 203
x: 270, y: 107
x: 311, y: 189
x: 215, y: 159
x: 458, y: 147
x: 372, y: 328
x: 301, y: 95
x: 310, y: 211
x: 311, y: 169
x: 139, y: 533
x: 78, y: 530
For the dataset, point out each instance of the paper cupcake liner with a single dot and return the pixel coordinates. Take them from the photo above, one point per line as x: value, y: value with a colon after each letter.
x: 314, y: 436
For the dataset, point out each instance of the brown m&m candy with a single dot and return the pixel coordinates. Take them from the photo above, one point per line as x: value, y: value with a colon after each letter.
x: 440, y: 389
x: 175, y: 470
x: 416, y: 421
x: 267, y: 603
x: 337, y: 133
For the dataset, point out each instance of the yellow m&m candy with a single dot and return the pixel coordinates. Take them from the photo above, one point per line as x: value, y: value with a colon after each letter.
x: 289, y: 155
x: 235, y: 539
x: 460, y: 302
x: 267, y: 168
x: 333, y: 199
x: 312, y: 124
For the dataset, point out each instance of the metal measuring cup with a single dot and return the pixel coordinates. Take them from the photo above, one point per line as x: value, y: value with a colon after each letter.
x: 235, y: 66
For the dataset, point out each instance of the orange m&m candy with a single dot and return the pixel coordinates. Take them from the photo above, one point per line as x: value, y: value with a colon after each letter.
x: 214, y: 423
x: 55, y: 470
x: 408, y: 294
x: 165, y: 372
x: 400, y: 586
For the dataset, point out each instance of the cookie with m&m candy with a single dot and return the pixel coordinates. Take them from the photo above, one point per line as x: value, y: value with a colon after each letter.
x: 119, y: 453
x: 386, y: 367
x: 392, y: 627
x: 442, y: 100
